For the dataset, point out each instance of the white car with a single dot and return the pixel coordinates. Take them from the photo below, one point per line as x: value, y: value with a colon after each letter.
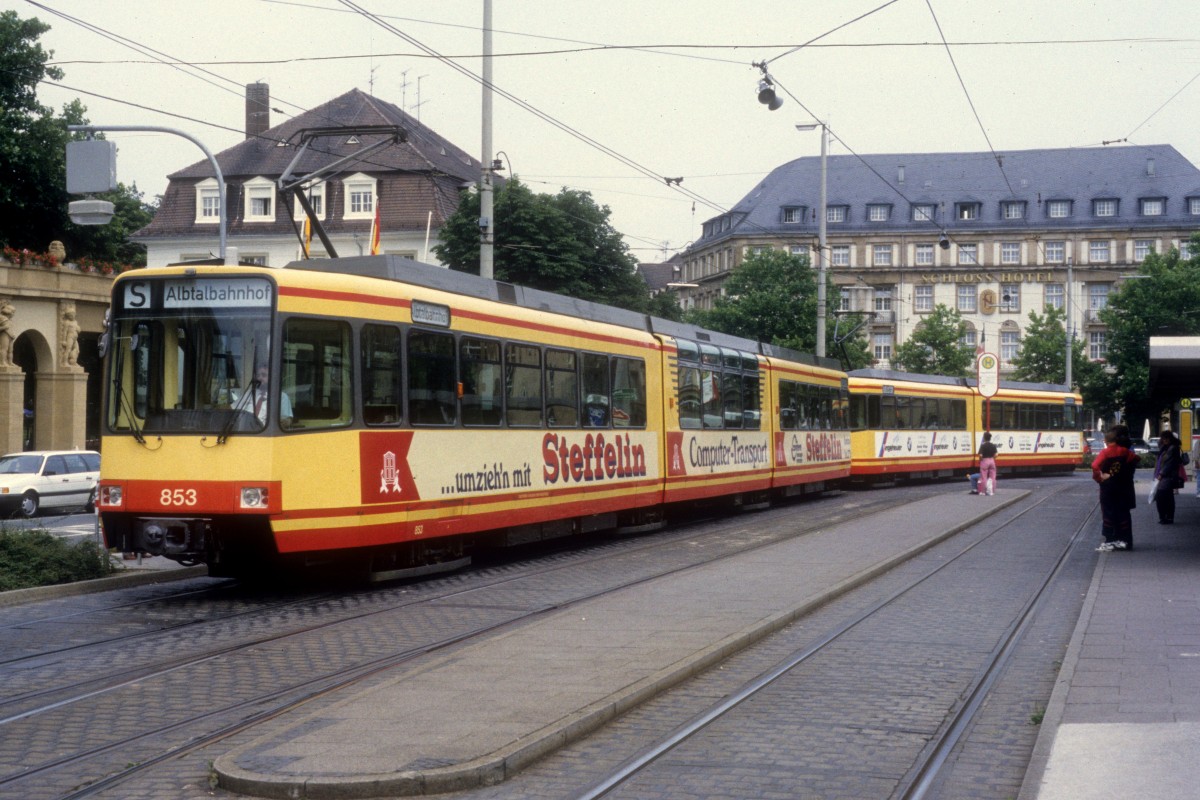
x: 48, y: 479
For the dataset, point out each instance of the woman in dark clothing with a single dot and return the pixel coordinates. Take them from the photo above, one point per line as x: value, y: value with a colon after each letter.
x: 1166, y: 475
x: 1113, y: 469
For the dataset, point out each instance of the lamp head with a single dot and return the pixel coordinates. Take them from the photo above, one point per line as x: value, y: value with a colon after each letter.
x: 944, y: 242
x: 767, y: 96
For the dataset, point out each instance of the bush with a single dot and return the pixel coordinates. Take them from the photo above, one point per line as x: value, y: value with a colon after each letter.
x: 38, y: 558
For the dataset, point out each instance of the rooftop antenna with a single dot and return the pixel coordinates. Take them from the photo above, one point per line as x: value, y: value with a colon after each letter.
x: 419, y: 102
x: 404, y: 84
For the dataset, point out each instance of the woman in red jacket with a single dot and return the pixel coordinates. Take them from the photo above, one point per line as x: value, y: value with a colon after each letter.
x: 1113, y: 469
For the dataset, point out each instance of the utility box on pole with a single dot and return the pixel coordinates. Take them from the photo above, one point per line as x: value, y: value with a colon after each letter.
x: 91, y: 166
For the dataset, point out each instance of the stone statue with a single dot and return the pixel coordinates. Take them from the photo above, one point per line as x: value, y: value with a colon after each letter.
x: 58, y: 251
x: 7, y: 333
x: 68, y: 337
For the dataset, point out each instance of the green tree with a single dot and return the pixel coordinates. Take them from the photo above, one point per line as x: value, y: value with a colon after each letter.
x: 560, y: 243
x: 770, y: 297
x: 666, y: 305
x: 33, y: 159
x: 935, y: 346
x: 1166, y: 302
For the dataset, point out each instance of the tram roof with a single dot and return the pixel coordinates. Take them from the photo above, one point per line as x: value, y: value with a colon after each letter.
x: 407, y: 270
x: 946, y: 380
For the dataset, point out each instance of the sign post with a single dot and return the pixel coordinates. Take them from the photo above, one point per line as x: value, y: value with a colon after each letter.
x: 987, y: 370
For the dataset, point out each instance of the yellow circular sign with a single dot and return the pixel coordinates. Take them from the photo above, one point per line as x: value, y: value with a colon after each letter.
x: 1185, y: 402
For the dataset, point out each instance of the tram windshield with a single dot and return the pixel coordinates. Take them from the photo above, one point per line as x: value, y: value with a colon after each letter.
x: 190, y: 356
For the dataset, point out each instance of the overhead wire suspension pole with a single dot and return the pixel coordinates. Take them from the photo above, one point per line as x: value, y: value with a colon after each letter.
x: 485, y: 178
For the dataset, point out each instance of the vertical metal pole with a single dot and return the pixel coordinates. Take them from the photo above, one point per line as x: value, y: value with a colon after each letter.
x: 1070, y: 322
x: 821, y: 249
x: 485, y: 178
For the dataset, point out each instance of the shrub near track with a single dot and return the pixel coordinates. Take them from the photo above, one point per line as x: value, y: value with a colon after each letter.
x: 37, y: 558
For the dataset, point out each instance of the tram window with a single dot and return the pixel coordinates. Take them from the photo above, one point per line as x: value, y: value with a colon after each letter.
x: 595, y: 391
x: 710, y: 355
x: 689, y: 397
x: 523, y: 385
x: 628, y: 393
x: 958, y: 414
x: 731, y: 399
x: 688, y: 351
x: 731, y: 359
x: 479, y: 362
x: 382, y: 378
x: 900, y: 417
x: 1010, y: 419
x: 710, y: 395
x: 1071, y: 418
x: 751, y: 403
x: 431, y: 378
x: 562, y: 389
x: 858, y: 412
x: 1055, y: 414
x: 1028, y: 416
x: 841, y: 410
x: 826, y: 408
x: 787, y: 405
x: 316, y: 372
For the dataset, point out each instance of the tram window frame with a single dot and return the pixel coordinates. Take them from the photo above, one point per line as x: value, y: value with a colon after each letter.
x: 556, y: 403
x: 318, y: 353
x: 1028, y: 417
x: 481, y: 366
x: 752, y: 402
x: 520, y: 410
x: 627, y: 392
x: 597, y: 401
x: 731, y: 399
x: 688, y: 398
x: 687, y: 351
x: 437, y: 405
x: 711, y: 412
x: 380, y: 409
x: 788, y: 411
x: 958, y: 414
x: 841, y: 410
x: 1070, y: 417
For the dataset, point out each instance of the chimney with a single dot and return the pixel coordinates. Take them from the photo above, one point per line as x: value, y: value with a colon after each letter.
x: 900, y: 174
x: 1149, y: 167
x: 258, y: 109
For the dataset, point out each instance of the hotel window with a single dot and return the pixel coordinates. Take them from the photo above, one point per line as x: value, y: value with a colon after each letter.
x: 968, y: 254
x: 923, y: 298
x: 970, y: 337
x: 922, y: 212
x: 966, y: 298
x: 1097, y: 345
x: 1097, y: 296
x: 1104, y: 208
x: 883, y: 299
x: 966, y: 210
x: 883, y: 346
x: 1185, y: 250
x: 800, y: 250
x: 260, y: 197
x: 839, y: 255
x: 316, y: 198
x: 1151, y: 206
x: 836, y: 214
x: 1010, y: 297
x: 1057, y: 209
x: 1194, y: 206
x: 793, y: 215
x: 924, y: 255
x: 1055, y: 252
x: 881, y: 255
x: 1098, y: 252
x: 208, y: 202
x: 1054, y: 295
x: 1142, y: 248
x: 843, y: 299
x: 879, y: 212
x: 1012, y: 209
x: 1010, y: 343
x: 359, y: 202
x: 1010, y: 253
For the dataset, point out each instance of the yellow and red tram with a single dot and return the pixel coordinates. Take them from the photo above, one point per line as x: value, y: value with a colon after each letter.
x: 411, y: 413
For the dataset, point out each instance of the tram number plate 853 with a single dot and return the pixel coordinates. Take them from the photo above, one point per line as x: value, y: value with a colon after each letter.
x: 177, y: 497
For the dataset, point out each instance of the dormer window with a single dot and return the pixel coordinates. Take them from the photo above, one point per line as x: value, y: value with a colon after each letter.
x: 1058, y: 209
x: 1105, y: 207
x: 922, y: 212
x: 793, y: 215
x: 1012, y: 209
x: 836, y: 213
x: 1193, y: 205
x: 1152, y: 206
x: 316, y: 199
x: 208, y: 202
x: 967, y: 211
x: 879, y: 212
x: 359, y: 197
x: 260, y: 200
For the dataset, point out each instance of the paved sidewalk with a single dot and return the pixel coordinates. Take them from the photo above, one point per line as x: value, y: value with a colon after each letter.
x: 1124, y: 719
x: 478, y: 715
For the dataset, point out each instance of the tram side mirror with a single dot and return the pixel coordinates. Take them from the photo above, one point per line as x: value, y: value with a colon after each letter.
x: 140, y: 332
x: 106, y: 336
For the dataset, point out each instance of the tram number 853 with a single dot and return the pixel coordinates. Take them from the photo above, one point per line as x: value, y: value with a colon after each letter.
x: 177, y: 497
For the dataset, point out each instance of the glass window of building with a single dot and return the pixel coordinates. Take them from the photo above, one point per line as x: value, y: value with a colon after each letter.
x: 843, y: 299
x: 1057, y: 209
x: 836, y: 214
x: 1010, y: 297
x: 922, y: 212
x: 879, y: 212
x: 1054, y: 295
x: 968, y: 254
x: 1104, y: 208
x: 924, y: 255
x: 1098, y: 251
x: 800, y: 250
x: 1142, y: 248
x: 970, y: 337
x: 1097, y: 345
x: 1194, y: 206
x: 1152, y: 206
x: 883, y: 299
x: 1010, y: 343
x: 1055, y: 252
x: 1097, y: 296
x: 793, y: 215
x: 1013, y: 209
x: 839, y: 255
x: 1010, y: 253
x: 883, y: 346
x: 923, y: 298
x: 882, y: 255
x: 966, y: 210
x: 966, y: 298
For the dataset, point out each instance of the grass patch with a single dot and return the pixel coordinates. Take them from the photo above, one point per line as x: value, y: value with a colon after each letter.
x: 35, y: 557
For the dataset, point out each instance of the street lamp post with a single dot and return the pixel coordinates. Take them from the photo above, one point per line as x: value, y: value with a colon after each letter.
x: 821, y: 249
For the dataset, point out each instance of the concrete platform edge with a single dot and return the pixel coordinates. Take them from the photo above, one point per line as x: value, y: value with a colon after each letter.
x: 35, y: 594
x: 1056, y: 707
x: 498, y: 766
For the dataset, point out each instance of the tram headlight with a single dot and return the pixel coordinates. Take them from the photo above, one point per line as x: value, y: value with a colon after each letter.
x: 254, y: 497
x: 110, y: 496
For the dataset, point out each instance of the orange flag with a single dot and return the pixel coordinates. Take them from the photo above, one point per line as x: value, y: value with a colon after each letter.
x: 375, y: 231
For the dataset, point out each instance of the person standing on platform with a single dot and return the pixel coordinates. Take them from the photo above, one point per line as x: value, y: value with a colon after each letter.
x: 1166, y: 476
x: 1113, y: 469
x: 987, y: 465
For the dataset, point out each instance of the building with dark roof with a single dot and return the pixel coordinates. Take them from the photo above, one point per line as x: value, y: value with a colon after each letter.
x: 994, y: 236
x: 414, y: 180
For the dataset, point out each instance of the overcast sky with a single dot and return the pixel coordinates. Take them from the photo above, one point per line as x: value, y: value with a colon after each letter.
x: 665, y: 88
